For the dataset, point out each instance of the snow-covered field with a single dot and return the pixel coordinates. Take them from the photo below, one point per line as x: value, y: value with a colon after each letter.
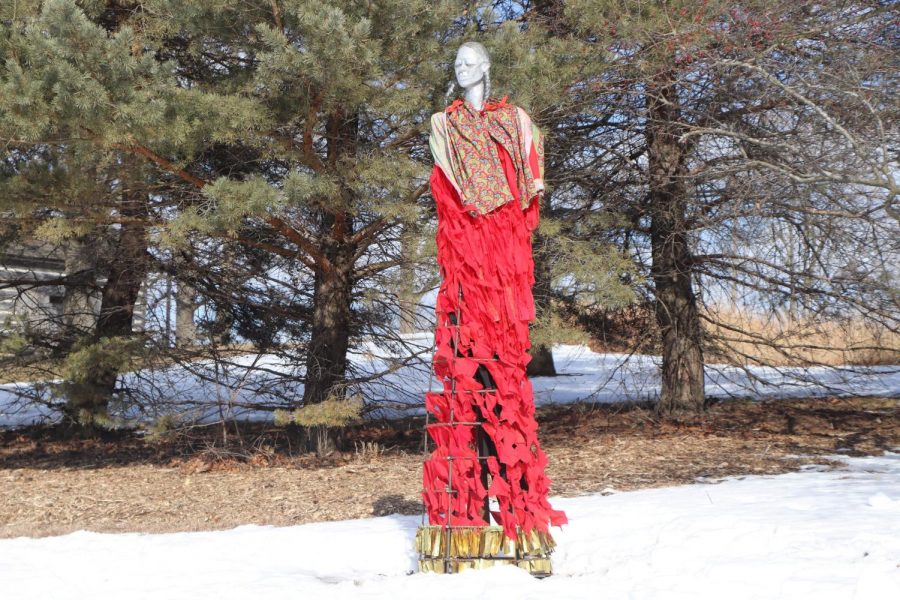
x: 207, y: 392
x: 815, y: 534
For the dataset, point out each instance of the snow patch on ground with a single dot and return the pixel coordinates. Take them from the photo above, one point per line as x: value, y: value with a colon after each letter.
x: 209, y: 392
x: 817, y: 535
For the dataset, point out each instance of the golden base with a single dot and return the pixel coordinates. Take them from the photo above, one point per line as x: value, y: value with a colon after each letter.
x: 457, y: 549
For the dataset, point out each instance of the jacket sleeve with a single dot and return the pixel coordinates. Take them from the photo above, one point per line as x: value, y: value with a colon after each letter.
x: 439, y: 143
x: 534, y: 148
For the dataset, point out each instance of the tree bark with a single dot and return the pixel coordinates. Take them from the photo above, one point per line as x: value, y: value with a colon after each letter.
x: 127, y: 272
x: 408, y: 301
x: 90, y: 396
x: 676, y: 304
x: 326, y: 355
x: 79, y: 314
x: 326, y: 361
x: 185, y: 305
x: 542, y: 364
x: 407, y: 298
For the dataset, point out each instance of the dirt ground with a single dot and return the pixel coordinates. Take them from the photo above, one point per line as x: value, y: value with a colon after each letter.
x: 203, y: 479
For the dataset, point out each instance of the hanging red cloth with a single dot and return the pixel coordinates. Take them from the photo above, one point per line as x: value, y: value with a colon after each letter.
x: 484, y: 306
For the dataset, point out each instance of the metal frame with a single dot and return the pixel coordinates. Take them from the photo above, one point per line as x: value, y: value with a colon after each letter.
x: 531, y: 553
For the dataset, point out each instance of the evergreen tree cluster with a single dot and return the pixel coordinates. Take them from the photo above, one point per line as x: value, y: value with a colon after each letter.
x: 268, y: 160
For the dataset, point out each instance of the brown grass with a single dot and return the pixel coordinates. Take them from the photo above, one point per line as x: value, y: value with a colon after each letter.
x: 737, y: 337
x: 14, y: 369
x: 749, y: 339
x: 50, y: 486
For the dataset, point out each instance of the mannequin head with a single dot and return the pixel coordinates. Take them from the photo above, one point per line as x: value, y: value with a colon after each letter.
x: 473, y: 73
x: 472, y: 65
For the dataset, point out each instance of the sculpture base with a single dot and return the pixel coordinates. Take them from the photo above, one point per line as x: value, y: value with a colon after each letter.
x: 456, y: 549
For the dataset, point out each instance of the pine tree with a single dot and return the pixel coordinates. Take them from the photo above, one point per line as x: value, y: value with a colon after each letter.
x: 539, y: 61
x: 296, y: 125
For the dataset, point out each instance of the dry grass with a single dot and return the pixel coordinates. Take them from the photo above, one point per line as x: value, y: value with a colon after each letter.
x: 50, y: 486
x: 14, y: 369
x: 754, y: 338
x: 747, y: 337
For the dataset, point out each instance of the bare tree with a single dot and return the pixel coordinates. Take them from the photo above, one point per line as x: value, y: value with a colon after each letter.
x: 742, y: 126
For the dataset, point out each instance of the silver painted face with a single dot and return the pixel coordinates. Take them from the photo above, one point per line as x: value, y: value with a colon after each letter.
x: 469, y: 67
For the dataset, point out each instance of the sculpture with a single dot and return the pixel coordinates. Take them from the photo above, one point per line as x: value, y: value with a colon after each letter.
x: 486, y: 182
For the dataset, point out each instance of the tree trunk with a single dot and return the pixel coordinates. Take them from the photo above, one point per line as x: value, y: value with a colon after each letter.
x: 79, y: 314
x: 676, y: 305
x: 408, y: 302
x: 89, y: 397
x: 185, y: 305
x: 139, y: 319
x: 126, y: 274
x: 326, y: 358
x: 326, y: 355
x: 542, y: 364
x: 407, y: 298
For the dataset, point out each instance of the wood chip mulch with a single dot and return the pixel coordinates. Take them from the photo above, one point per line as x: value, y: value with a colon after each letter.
x: 215, y: 478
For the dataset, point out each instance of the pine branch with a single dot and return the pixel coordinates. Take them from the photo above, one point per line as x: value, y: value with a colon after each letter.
x: 166, y: 164
x: 374, y: 268
x: 278, y: 250
x: 304, y: 242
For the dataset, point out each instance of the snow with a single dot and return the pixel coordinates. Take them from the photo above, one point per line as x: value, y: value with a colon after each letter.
x: 585, y: 375
x: 208, y: 392
x: 817, y: 534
